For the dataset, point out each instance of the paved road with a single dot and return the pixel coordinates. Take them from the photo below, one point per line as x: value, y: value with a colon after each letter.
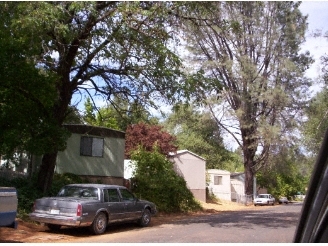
x: 274, y: 224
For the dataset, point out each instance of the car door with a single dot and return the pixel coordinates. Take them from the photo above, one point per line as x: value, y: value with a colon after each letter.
x: 114, y: 205
x: 133, y: 209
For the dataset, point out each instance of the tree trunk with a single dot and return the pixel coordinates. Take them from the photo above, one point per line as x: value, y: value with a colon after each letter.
x: 47, y: 168
x: 249, y: 176
x: 46, y: 171
x: 249, y: 150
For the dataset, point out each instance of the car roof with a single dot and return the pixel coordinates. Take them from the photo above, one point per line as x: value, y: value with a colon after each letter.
x: 98, y: 185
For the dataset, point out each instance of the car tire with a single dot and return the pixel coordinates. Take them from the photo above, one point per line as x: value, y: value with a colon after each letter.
x: 145, y: 218
x: 53, y: 227
x: 99, y: 224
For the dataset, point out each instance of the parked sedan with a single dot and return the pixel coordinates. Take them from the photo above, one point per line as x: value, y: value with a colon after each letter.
x: 264, y: 199
x: 92, y: 205
x: 283, y: 200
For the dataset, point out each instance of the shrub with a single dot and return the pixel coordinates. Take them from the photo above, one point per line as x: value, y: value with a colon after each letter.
x: 155, y: 180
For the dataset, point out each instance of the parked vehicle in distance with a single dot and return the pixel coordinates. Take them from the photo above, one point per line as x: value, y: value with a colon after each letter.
x: 92, y: 205
x: 264, y: 199
x: 283, y: 200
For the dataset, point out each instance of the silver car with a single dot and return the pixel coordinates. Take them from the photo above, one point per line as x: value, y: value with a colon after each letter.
x: 283, y: 200
x: 93, y: 205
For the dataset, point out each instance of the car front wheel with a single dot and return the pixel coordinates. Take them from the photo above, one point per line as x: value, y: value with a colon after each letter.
x: 99, y: 224
x: 145, y: 219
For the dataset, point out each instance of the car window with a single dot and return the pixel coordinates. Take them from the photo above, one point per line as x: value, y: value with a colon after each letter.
x: 76, y: 191
x: 126, y: 195
x: 111, y: 195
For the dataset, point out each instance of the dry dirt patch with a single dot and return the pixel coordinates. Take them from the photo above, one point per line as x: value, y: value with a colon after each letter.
x: 28, y: 232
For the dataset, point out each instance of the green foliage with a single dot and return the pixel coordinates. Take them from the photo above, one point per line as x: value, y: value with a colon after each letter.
x: 102, y: 117
x: 129, y: 113
x: 317, y: 121
x: 288, y: 174
x: 27, y: 95
x: 198, y: 132
x: 156, y: 180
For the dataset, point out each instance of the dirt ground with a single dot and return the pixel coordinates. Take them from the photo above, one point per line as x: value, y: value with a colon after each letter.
x: 28, y: 232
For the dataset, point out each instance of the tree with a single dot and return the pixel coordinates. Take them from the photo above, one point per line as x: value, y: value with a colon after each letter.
x: 27, y: 94
x: 317, y: 121
x: 317, y: 113
x: 103, y: 116
x: 199, y: 133
x: 147, y: 137
x: 101, y: 48
x: 109, y: 116
x: 250, y: 51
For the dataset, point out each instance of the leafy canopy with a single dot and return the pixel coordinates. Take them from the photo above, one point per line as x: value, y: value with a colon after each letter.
x: 27, y: 95
x: 196, y: 131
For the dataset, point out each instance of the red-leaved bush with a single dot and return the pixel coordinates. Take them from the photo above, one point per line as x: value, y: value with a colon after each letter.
x: 148, y: 136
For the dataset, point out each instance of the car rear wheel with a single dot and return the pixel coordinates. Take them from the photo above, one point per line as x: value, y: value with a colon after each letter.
x: 99, y: 224
x: 145, y: 219
x: 53, y: 227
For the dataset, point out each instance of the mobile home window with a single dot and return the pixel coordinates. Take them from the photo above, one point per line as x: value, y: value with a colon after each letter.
x: 91, y: 146
x: 217, y: 180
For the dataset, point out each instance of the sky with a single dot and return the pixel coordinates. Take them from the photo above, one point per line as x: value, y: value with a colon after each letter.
x: 317, y: 12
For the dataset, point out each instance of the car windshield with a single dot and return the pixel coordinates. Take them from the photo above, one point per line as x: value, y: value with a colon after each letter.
x: 262, y: 196
x: 76, y: 191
